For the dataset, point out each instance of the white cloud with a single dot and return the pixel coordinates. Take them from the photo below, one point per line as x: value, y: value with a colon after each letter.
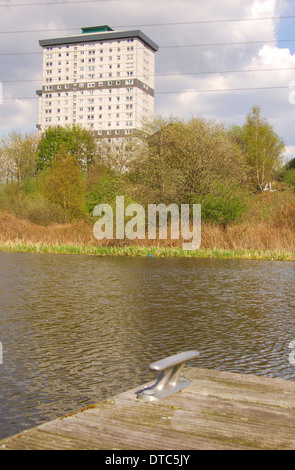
x: 260, y: 8
x: 290, y: 152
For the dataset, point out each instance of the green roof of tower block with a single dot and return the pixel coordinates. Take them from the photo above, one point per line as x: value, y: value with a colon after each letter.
x: 96, y: 29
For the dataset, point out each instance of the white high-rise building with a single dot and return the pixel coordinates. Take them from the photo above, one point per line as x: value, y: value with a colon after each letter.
x: 102, y: 80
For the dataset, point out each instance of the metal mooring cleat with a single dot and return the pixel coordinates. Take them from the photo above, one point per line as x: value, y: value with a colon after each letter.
x: 169, y: 380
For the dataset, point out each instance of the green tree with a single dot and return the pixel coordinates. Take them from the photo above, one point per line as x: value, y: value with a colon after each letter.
x: 79, y: 142
x: 288, y: 173
x: 291, y: 164
x: 184, y: 161
x: 18, y: 157
x: 105, y: 190
x: 225, y: 206
x: 64, y: 185
x: 116, y: 155
x: 262, y: 146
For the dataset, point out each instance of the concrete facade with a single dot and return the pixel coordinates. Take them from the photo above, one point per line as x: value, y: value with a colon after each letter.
x: 102, y: 80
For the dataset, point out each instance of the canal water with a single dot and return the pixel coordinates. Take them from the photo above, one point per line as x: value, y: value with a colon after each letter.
x: 78, y: 329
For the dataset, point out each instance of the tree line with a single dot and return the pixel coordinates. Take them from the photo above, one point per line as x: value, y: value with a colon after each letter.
x: 63, y: 175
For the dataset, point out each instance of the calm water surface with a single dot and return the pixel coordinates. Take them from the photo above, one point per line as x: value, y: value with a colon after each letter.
x: 77, y: 329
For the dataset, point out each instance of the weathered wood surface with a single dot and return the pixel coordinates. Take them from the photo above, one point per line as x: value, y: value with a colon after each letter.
x: 219, y: 410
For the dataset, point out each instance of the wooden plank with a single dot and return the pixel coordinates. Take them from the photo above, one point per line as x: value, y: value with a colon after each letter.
x: 219, y: 410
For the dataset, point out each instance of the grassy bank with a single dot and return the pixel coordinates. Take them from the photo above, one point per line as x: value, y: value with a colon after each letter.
x: 240, y: 241
x: 135, y: 250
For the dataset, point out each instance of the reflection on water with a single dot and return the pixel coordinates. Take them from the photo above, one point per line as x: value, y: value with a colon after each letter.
x: 77, y: 329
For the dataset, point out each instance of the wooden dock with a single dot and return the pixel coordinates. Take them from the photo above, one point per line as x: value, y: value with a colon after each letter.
x: 218, y: 410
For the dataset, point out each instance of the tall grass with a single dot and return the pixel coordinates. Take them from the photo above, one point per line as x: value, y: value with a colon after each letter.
x: 135, y: 250
x: 243, y: 241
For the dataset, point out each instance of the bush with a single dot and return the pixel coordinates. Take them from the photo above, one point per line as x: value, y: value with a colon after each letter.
x: 64, y: 186
x: 288, y: 174
x: 289, y: 177
x: 12, y: 198
x: 225, y: 206
x: 30, y: 205
x: 42, y: 212
x: 106, y: 187
x: 105, y: 191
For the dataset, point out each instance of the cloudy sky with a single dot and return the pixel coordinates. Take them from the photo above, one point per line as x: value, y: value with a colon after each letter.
x: 216, y: 58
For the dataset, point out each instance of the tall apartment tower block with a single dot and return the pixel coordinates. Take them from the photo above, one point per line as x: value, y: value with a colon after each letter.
x: 102, y: 80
